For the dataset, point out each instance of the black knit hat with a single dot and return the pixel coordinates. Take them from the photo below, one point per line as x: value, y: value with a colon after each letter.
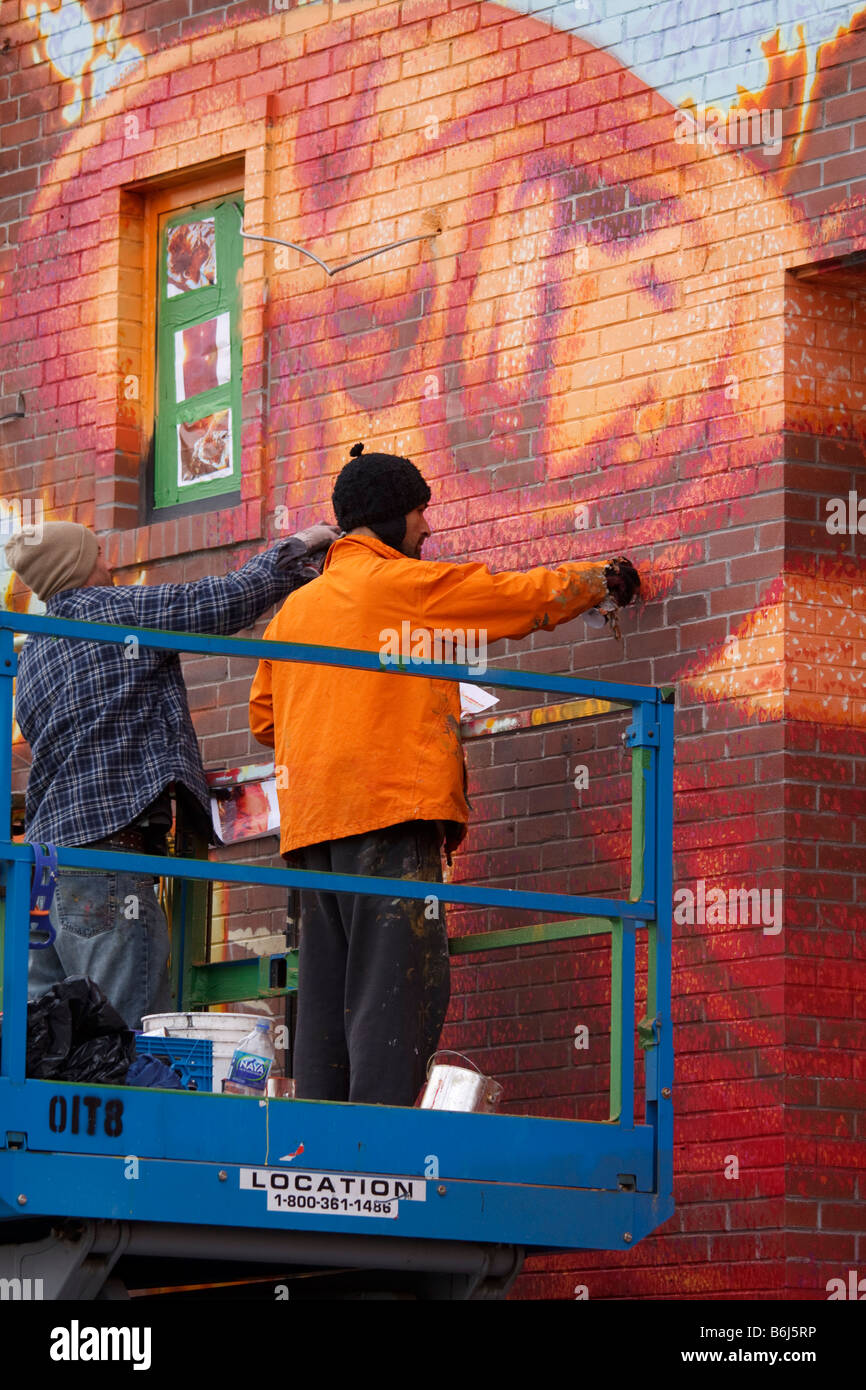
x: 379, y: 491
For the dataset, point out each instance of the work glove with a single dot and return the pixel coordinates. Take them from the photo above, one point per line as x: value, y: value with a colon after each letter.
x: 623, y: 581
x: 318, y: 537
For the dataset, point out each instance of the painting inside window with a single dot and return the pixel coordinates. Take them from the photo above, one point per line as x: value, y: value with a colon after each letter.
x: 198, y: 409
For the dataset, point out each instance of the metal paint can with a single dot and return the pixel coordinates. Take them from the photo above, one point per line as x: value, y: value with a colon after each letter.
x: 458, y: 1088
x: 281, y: 1088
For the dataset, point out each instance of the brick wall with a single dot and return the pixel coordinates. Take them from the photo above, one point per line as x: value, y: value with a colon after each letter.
x: 619, y: 342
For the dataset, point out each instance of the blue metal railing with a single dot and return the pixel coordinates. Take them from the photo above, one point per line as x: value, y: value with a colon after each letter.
x: 651, y: 731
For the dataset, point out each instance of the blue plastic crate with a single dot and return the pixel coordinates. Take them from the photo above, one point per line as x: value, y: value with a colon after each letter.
x: 191, y: 1057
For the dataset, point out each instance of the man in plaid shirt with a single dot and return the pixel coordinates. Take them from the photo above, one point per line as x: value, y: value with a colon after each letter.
x: 111, y: 735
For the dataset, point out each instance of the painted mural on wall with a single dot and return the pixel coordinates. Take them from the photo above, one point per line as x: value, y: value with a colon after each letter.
x: 599, y: 352
x: 90, y: 57
x: 595, y: 291
x: 668, y: 45
x: 595, y: 294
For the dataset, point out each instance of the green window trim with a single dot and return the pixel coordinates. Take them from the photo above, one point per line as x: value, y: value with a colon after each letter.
x: 218, y: 407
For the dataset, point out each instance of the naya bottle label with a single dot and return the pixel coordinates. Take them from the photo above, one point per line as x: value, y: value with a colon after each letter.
x: 249, y: 1070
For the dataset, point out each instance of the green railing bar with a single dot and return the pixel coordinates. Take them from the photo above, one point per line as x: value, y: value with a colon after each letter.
x: 616, y: 1020
x: 220, y: 982
x: 234, y: 981
x: 652, y: 938
x: 645, y: 1027
x: 190, y: 914
x: 527, y: 936
x: 641, y: 762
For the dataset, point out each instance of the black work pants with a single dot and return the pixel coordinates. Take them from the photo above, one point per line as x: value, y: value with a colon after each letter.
x: 373, y: 973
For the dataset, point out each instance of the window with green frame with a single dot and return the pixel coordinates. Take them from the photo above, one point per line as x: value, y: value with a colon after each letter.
x: 198, y: 364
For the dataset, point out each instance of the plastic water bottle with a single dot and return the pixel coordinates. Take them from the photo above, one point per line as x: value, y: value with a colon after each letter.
x: 251, y: 1063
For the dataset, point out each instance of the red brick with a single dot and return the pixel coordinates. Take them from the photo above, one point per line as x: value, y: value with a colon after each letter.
x: 838, y: 1216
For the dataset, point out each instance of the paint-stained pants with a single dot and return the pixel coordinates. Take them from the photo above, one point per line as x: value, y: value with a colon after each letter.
x: 373, y: 973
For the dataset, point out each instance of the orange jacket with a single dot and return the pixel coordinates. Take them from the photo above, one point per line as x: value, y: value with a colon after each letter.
x: 359, y: 750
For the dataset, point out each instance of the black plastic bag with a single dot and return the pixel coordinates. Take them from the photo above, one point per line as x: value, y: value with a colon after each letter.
x: 75, y: 1034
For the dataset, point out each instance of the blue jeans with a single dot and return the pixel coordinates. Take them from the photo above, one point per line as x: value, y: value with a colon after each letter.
x: 111, y: 928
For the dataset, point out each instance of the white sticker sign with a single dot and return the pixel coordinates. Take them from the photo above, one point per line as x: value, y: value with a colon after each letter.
x: 333, y: 1194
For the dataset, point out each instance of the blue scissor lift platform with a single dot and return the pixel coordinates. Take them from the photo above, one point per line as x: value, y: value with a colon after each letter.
x: 107, y: 1187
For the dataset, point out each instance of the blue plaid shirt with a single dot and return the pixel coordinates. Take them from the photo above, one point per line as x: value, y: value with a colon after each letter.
x: 109, y: 731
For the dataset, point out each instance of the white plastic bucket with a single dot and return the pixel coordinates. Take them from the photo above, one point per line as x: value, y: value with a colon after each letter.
x: 223, y: 1052
x: 218, y: 1027
x: 224, y: 1031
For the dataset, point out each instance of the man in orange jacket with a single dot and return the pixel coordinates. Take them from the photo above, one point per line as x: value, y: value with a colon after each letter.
x: 371, y: 768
